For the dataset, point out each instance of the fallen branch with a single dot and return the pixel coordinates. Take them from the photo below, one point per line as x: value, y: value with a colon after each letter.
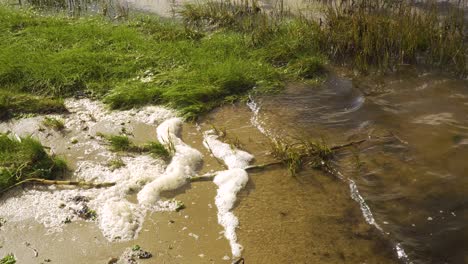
x: 81, y: 184
x: 211, y: 175
x: 338, y: 147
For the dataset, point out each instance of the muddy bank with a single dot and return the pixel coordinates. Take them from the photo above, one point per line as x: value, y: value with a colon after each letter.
x: 306, y: 218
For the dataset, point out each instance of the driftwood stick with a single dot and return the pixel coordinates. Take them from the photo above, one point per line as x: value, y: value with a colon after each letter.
x: 82, y: 184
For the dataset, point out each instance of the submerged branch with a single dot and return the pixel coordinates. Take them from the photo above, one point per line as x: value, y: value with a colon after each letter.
x: 211, y: 175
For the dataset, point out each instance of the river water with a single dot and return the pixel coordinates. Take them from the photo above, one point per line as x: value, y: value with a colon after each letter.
x: 415, y: 185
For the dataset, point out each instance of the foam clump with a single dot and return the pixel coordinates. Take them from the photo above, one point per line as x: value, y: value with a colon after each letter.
x: 120, y: 219
x: 183, y: 165
x: 229, y: 183
x: 41, y: 204
x: 232, y: 157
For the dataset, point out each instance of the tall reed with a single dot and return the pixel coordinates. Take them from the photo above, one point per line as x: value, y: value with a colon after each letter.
x: 385, y: 34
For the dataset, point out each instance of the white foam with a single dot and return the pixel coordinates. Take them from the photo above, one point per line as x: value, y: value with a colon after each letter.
x: 232, y: 157
x: 41, y: 204
x: 120, y: 219
x: 183, y: 165
x: 367, y: 213
x: 229, y: 183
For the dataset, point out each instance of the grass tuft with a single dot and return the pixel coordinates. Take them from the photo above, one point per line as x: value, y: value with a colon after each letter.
x: 8, y: 259
x: 297, y: 155
x: 115, y: 164
x: 156, y: 149
x: 14, y: 104
x: 54, y: 123
x: 23, y: 158
x: 385, y: 34
x: 118, y: 142
x: 123, y: 143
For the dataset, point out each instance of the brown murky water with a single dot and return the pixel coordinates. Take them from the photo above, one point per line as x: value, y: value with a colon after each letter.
x: 309, y: 218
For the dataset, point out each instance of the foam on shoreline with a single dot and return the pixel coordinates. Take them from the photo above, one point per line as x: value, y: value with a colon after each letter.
x: 183, y: 165
x: 229, y: 183
x: 117, y: 218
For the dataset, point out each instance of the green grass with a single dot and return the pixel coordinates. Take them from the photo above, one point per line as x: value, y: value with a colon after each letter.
x: 119, y: 142
x: 116, y: 163
x: 15, y: 104
x: 145, y: 60
x: 8, y: 259
x: 54, y: 123
x: 382, y: 34
x: 156, y: 149
x: 123, y: 143
x: 215, y: 55
x: 25, y: 158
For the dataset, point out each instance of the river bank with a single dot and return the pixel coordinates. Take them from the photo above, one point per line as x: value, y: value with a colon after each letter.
x: 252, y: 77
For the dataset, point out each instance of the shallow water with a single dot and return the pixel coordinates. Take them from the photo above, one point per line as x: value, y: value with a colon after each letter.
x: 405, y: 197
x: 309, y: 218
x: 415, y: 185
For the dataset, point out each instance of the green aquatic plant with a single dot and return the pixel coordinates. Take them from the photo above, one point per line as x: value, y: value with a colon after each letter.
x: 291, y: 157
x: 295, y: 155
x: 136, y: 247
x: 22, y: 158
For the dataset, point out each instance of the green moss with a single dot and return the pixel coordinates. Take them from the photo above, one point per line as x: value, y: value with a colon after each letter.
x: 25, y: 158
